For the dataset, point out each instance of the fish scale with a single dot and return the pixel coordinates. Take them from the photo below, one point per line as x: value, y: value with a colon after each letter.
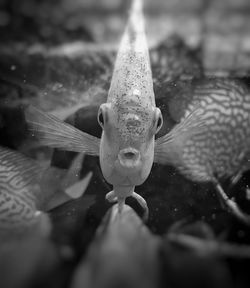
x: 230, y: 105
x: 26, y: 187
x: 17, y: 190
x: 15, y: 212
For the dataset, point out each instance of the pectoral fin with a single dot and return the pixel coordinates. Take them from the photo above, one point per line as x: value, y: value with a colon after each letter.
x: 168, y: 144
x: 55, y: 133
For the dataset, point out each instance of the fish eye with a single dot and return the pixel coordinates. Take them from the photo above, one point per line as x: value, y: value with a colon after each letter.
x: 103, y: 114
x: 159, y: 120
x: 100, y: 117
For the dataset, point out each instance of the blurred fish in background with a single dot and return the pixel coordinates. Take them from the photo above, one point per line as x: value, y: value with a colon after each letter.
x: 216, y: 150
x: 28, y: 188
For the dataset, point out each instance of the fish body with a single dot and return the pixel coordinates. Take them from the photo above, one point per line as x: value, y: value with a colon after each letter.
x: 129, y: 118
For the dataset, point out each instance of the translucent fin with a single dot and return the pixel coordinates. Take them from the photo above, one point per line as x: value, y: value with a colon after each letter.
x: 59, y: 198
x: 73, y: 173
x: 54, y: 133
x: 64, y: 113
x: 60, y: 185
x: 193, y: 124
x: 62, y: 196
x: 78, y: 189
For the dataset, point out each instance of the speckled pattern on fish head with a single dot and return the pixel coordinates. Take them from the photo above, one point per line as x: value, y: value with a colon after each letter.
x: 132, y: 99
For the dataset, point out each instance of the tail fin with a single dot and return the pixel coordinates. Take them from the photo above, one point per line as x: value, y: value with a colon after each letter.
x: 61, y: 186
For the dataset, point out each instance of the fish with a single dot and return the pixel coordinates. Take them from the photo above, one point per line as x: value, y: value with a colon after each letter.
x: 218, y: 148
x: 29, y: 189
x: 129, y: 119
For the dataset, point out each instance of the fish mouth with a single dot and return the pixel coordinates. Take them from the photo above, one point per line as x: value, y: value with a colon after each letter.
x: 129, y: 157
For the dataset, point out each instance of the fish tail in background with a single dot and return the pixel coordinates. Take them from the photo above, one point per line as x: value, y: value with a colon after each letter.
x: 132, y: 67
x: 73, y: 172
x: 193, y: 124
x: 60, y: 186
x: 74, y: 187
x: 55, y: 133
x: 77, y: 189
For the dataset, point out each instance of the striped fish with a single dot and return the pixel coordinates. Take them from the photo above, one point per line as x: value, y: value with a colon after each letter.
x: 217, y: 150
x: 27, y: 189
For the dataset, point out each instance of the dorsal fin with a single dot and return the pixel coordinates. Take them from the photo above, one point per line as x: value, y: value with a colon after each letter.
x: 132, y: 71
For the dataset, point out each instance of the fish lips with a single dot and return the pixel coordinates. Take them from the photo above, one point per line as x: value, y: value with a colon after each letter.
x: 129, y: 157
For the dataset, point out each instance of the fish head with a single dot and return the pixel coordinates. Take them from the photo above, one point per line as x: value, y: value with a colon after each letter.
x: 127, y: 143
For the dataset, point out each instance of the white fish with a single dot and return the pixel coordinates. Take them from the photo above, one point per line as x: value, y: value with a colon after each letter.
x: 129, y: 118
